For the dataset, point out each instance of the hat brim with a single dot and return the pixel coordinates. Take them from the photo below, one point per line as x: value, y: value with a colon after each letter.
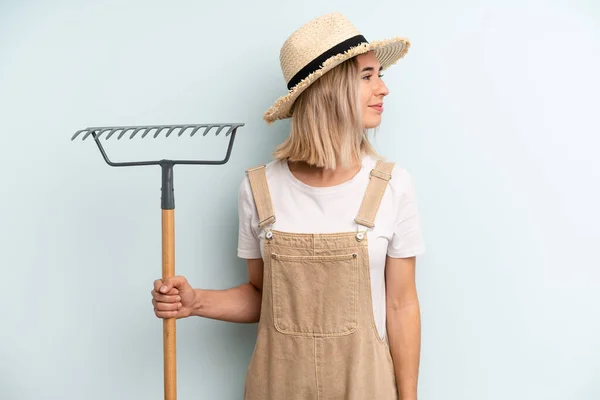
x: 387, y: 51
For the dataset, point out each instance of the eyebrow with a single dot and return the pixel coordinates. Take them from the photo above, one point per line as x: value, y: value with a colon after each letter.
x: 365, y: 69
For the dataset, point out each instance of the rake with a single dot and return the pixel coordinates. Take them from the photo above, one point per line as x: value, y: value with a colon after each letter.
x: 168, y: 211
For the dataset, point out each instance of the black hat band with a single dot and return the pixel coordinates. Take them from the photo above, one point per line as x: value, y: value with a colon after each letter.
x: 315, y: 64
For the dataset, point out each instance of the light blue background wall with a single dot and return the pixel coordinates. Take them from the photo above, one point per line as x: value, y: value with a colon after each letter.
x: 493, y: 111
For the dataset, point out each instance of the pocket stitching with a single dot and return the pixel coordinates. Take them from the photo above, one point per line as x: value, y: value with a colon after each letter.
x: 353, y: 297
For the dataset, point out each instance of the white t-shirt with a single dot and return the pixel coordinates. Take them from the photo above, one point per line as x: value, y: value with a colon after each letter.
x: 300, y: 208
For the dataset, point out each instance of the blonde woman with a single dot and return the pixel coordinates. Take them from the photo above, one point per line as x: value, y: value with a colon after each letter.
x: 330, y: 233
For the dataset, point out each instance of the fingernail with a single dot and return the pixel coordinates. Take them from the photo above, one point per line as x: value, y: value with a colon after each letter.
x: 178, y: 298
x: 163, y: 289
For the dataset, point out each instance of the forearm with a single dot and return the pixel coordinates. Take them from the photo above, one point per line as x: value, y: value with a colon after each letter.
x: 238, y: 304
x: 404, y: 332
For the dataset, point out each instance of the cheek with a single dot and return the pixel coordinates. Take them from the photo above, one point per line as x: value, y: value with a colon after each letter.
x: 365, y: 95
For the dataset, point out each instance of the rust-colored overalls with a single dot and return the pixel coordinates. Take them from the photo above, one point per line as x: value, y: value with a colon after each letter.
x: 317, y: 338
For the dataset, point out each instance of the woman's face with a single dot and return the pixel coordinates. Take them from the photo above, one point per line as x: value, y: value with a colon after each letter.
x: 372, y: 89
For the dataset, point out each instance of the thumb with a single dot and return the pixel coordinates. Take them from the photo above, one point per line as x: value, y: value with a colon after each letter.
x: 174, y: 282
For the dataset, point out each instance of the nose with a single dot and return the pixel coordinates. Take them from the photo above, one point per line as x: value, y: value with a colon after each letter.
x: 381, y: 89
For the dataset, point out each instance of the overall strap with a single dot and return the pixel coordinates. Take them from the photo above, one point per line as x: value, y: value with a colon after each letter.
x: 261, y: 194
x: 378, y: 181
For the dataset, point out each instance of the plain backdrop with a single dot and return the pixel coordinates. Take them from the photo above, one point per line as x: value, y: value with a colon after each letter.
x: 494, y: 112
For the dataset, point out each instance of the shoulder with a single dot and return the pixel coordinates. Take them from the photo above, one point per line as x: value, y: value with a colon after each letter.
x: 272, y: 170
x: 401, y: 181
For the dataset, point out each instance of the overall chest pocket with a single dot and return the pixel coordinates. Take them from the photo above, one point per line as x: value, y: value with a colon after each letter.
x: 315, y: 295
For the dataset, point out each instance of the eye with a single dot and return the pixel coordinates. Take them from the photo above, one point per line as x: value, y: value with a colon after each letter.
x: 368, y: 77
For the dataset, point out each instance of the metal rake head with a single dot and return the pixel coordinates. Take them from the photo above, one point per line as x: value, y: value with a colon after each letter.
x: 109, y: 131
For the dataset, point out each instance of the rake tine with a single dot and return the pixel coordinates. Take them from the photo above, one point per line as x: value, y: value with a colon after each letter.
x: 125, y: 129
x: 184, y: 128
x: 146, y: 130
x: 181, y: 129
x: 78, y: 133
x: 231, y: 128
x: 104, y: 130
x: 89, y: 132
x: 157, y: 127
x: 114, y: 130
x: 157, y: 132
x: 196, y: 129
x: 129, y: 128
x: 220, y: 129
x: 93, y: 130
x: 133, y: 134
x: 168, y: 132
x: 208, y: 128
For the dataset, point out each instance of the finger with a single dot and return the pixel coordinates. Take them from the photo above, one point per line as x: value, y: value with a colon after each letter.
x: 170, y: 283
x: 166, y: 314
x: 159, y: 283
x: 172, y: 292
x: 165, y: 298
x: 158, y: 306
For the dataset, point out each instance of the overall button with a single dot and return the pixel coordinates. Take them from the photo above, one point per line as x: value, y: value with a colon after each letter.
x: 360, y: 236
x: 269, y: 235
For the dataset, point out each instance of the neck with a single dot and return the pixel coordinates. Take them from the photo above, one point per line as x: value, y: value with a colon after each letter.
x: 321, y: 177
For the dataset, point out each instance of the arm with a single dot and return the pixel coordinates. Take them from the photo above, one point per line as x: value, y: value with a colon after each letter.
x: 403, y: 323
x: 175, y: 298
x: 238, y: 304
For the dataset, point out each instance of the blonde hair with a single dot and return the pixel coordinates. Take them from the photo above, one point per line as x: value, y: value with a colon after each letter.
x: 327, y: 128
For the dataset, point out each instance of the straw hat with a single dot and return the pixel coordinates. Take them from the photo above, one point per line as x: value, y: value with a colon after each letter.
x: 318, y: 47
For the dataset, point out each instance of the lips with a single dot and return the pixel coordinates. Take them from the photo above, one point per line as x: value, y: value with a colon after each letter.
x: 377, y: 107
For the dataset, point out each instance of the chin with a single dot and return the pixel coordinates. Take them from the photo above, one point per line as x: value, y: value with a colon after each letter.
x: 372, y: 123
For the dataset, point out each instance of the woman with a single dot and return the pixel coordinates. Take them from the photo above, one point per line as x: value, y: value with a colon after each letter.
x: 330, y: 233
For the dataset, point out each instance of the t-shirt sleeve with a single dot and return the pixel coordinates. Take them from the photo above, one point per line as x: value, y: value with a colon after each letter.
x: 407, y: 239
x: 248, y: 241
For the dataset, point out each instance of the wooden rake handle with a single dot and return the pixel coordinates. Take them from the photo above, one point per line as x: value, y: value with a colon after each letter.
x: 168, y: 208
x: 169, y: 331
